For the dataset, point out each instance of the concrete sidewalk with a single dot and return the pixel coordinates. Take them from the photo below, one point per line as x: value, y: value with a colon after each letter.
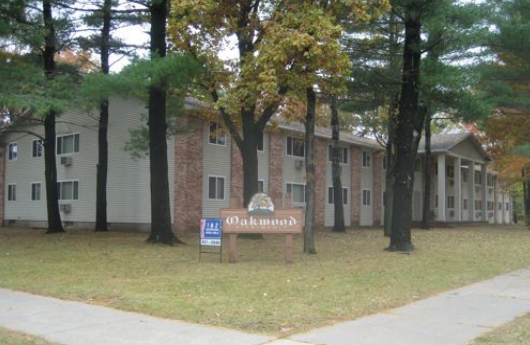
x: 451, y: 318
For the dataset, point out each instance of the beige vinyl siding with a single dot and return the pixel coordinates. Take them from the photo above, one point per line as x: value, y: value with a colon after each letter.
x: 468, y: 150
x: 346, y: 178
x: 216, y: 163
x: 24, y: 171
x: 128, y: 193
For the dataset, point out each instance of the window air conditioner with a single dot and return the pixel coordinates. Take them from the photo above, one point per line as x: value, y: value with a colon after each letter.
x: 299, y: 164
x: 66, y: 208
x: 66, y: 161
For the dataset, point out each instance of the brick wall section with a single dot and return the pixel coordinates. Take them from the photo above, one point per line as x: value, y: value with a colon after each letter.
x: 188, y: 178
x: 320, y: 180
x: 276, y: 168
x: 356, y: 153
x: 378, y: 189
x: 236, y: 172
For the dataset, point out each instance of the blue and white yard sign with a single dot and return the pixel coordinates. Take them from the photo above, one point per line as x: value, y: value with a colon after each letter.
x: 211, y: 232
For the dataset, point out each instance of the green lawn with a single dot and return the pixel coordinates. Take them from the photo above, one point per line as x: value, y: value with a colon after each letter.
x: 351, y: 276
x: 14, y: 338
x: 513, y: 333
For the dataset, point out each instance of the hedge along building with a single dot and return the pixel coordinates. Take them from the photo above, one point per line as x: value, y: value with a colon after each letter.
x: 205, y: 172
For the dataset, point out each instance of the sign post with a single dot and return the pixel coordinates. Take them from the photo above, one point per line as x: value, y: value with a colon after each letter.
x: 211, y: 230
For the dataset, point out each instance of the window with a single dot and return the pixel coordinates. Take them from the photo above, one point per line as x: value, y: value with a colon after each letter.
x: 35, y: 191
x: 36, y: 148
x: 366, y: 197
x: 297, y: 192
x: 507, y: 206
x: 478, y: 204
x: 490, y: 180
x: 464, y: 176
x: 465, y: 204
x: 478, y: 177
x: 68, y: 144
x: 217, y: 135
x: 13, y: 151
x: 295, y: 147
x: 367, y: 159
x: 11, y: 192
x: 260, y: 186
x: 450, y: 202
x: 68, y: 190
x: 490, y: 205
x: 343, y: 154
x: 450, y: 170
x: 216, y: 188
x: 260, y: 142
x: 500, y: 205
x: 331, y: 195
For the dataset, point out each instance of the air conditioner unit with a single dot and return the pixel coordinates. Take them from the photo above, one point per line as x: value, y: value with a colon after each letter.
x: 66, y: 208
x: 66, y: 161
x: 299, y: 164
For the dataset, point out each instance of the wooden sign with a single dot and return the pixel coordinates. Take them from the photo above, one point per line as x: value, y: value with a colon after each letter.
x: 238, y: 221
x: 261, y: 218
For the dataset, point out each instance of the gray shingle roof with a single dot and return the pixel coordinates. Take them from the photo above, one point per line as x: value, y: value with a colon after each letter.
x: 445, y: 142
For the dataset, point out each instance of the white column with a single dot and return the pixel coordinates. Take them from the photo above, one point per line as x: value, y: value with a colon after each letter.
x: 484, y: 172
x: 458, y: 189
x: 471, y: 192
x: 441, y: 188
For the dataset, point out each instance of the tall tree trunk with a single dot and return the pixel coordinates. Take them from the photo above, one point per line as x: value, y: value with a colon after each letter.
x: 103, y: 151
x: 249, y: 155
x: 338, y: 205
x: 426, y: 214
x: 401, y: 239
x: 526, y: 196
x: 50, y: 165
x: 309, y: 239
x: 161, y: 230
x: 390, y: 167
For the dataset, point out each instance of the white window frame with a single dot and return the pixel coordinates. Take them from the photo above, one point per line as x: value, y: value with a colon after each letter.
x: 345, y: 195
x: 290, y: 147
x: 289, y: 190
x: 75, y: 190
x: 450, y: 202
x: 367, y: 159
x: 60, y: 140
x: 12, y: 149
x: 216, y: 134
x: 36, y: 191
x: 37, y: 148
x: 343, y: 154
x: 217, y: 191
x: 11, y: 192
x: 366, y: 197
x: 450, y: 171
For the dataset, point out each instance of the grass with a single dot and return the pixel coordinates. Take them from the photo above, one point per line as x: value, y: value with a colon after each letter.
x: 513, y: 333
x: 351, y: 276
x: 14, y: 338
